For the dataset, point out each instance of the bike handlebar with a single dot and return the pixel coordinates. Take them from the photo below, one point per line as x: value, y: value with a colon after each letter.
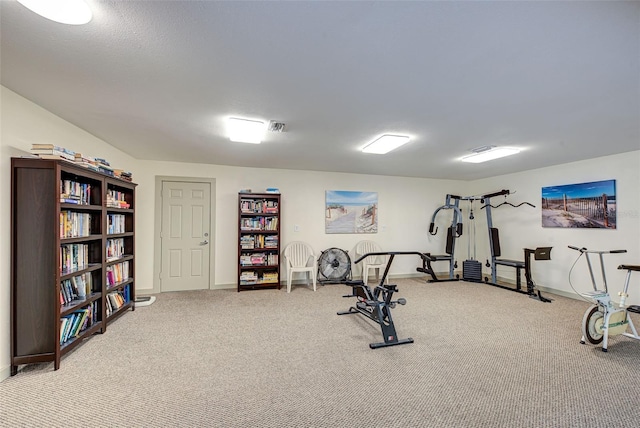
x: 584, y: 250
x: 424, y: 257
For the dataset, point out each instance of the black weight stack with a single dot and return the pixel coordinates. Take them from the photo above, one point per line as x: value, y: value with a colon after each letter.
x: 472, y: 271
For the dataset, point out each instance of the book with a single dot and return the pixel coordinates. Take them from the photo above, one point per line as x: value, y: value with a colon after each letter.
x: 38, y: 146
x: 69, y: 201
x: 55, y: 157
x: 84, y: 158
x: 54, y: 152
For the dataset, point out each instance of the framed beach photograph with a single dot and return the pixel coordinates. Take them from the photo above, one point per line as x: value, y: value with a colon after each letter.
x: 351, y: 212
x: 584, y: 205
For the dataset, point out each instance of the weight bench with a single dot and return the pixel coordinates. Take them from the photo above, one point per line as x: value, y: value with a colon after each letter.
x: 426, y: 263
x: 540, y: 253
x: 518, y: 265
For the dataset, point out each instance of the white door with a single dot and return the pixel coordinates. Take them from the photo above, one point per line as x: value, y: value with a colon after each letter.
x: 185, y: 236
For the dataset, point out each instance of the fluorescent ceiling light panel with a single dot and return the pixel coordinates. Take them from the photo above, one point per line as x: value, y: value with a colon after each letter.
x: 73, y: 12
x: 245, y: 130
x: 385, y: 144
x: 490, y: 154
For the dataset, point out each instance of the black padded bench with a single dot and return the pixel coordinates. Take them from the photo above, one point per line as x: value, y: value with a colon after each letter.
x: 540, y: 253
x: 518, y: 265
x: 426, y: 263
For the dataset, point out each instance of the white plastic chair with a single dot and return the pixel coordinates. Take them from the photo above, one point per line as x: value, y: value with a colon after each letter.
x: 371, y: 262
x: 299, y: 257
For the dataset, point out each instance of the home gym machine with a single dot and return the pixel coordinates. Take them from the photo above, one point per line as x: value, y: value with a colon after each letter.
x: 376, y: 304
x: 471, y: 268
x: 452, y: 202
x: 540, y: 253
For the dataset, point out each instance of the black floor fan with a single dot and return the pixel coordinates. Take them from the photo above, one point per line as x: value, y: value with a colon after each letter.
x: 334, y: 266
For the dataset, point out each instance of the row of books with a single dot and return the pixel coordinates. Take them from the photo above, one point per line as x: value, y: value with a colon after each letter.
x: 250, y: 242
x: 116, y: 223
x: 253, y: 277
x: 117, y: 273
x: 249, y: 206
x: 75, y: 288
x: 270, y: 277
x: 259, y: 223
x: 52, y: 151
x: 73, y: 192
x: 259, y: 259
x: 78, y: 321
x: 115, y: 249
x: 116, y: 199
x: 248, y: 277
x: 117, y: 299
x: 74, y: 224
x: 73, y: 257
x: 95, y: 164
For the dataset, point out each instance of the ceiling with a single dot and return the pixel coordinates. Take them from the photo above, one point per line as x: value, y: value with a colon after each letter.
x: 156, y: 79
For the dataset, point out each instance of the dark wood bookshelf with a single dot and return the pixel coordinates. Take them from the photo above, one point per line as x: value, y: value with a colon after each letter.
x: 43, y: 299
x: 258, y: 207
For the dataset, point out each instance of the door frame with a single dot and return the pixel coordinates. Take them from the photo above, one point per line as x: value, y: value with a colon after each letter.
x: 157, y: 229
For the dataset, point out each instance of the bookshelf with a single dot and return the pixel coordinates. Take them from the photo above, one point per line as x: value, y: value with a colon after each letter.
x: 258, y: 241
x: 65, y: 222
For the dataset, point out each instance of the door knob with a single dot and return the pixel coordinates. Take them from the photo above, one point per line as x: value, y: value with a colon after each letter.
x: 205, y: 242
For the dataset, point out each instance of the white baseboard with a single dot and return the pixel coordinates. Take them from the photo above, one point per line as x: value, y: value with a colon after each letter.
x: 5, y: 372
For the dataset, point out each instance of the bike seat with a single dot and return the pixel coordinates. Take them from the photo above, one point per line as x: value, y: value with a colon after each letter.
x: 629, y: 267
x: 634, y: 308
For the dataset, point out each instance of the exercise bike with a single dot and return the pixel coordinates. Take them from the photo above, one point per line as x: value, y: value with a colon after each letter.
x: 376, y: 304
x: 605, y: 318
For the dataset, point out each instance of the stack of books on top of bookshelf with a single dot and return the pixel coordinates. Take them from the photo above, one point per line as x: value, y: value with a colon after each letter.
x: 103, y: 166
x: 51, y: 151
x: 86, y: 161
x: 123, y: 175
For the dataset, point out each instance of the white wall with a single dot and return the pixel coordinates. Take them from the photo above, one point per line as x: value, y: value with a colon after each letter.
x: 522, y: 227
x: 405, y: 207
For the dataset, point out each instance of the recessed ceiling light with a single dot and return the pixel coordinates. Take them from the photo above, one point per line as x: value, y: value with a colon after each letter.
x: 246, y: 130
x: 385, y: 144
x: 73, y: 12
x: 487, y: 153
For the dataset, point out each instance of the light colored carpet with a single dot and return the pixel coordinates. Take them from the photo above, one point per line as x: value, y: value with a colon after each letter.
x: 482, y: 357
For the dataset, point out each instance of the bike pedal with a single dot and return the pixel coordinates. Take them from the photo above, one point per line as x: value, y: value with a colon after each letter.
x: 634, y: 308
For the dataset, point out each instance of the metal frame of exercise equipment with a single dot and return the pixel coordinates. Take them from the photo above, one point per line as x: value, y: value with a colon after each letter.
x: 540, y: 253
x: 605, y: 317
x: 376, y: 304
x: 453, y: 232
x: 452, y: 202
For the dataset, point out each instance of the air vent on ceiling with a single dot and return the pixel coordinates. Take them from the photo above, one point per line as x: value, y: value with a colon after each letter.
x: 275, y: 126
